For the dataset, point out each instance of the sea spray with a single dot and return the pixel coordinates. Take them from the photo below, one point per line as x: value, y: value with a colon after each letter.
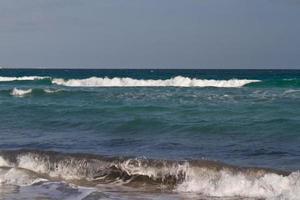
x: 199, y: 176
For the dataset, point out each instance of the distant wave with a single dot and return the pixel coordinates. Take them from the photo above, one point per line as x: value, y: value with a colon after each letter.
x: 205, y: 177
x: 50, y: 91
x: 20, y: 93
x: 23, y: 78
x: 177, y: 81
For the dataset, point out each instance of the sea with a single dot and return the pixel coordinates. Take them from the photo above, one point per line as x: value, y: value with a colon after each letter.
x: 138, y: 134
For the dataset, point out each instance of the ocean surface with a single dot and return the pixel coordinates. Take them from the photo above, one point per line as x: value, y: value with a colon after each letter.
x: 149, y: 134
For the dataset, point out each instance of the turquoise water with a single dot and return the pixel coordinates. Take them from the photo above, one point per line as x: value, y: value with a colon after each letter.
x: 251, y: 119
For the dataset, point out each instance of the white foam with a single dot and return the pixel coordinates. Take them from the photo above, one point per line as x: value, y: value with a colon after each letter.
x: 32, y: 163
x: 3, y: 162
x: 20, y: 93
x: 224, y: 183
x: 39, y: 165
x: 23, y: 78
x: 205, y: 180
x: 50, y: 91
x: 20, y: 177
x: 177, y: 81
x: 136, y: 167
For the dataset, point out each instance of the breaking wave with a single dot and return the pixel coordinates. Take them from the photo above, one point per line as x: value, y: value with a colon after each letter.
x: 50, y: 91
x: 177, y: 81
x: 20, y: 93
x: 23, y: 78
x: 18, y: 176
x: 204, y: 177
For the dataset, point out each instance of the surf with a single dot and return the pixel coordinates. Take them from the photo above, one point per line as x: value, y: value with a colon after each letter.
x: 22, y: 78
x: 178, y: 81
x: 203, y: 177
x: 20, y: 93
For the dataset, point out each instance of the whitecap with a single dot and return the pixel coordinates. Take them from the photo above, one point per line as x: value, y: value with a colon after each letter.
x: 23, y: 78
x: 225, y: 183
x: 178, y: 81
x: 17, y: 176
x: 20, y: 93
x: 51, y: 91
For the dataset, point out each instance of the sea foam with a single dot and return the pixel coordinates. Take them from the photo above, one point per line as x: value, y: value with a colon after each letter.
x: 17, y: 176
x: 226, y: 183
x: 178, y: 81
x: 23, y: 78
x: 50, y: 91
x: 20, y: 93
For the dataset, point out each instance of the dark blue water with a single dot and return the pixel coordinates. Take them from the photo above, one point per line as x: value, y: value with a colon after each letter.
x: 244, y: 124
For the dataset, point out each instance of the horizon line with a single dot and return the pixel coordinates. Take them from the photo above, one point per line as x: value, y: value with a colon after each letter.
x: 164, y: 68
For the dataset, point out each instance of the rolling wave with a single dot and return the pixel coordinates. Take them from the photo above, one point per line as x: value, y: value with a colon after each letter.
x: 177, y: 81
x: 23, y: 78
x: 200, y: 176
x: 20, y: 93
x: 31, y: 91
x: 50, y: 91
x: 279, y: 83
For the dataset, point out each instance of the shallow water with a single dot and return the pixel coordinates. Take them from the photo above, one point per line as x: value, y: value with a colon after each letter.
x: 245, y: 118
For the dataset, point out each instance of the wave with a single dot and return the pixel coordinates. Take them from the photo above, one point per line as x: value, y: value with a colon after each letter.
x: 198, y: 176
x: 18, y: 176
x: 278, y: 83
x: 32, y: 91
x: 23, y: 78
x: 177, y: 81
x: 50, y: 91
x: 20, y: 93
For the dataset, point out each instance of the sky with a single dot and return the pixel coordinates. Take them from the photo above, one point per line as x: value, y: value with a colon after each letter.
x: 150, y: 33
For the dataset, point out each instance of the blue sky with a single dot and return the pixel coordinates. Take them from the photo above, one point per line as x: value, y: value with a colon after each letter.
x: 150, y: 33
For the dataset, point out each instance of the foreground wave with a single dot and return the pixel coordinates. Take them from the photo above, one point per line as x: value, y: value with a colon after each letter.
x: 204, y: 177
x: 178, y: 81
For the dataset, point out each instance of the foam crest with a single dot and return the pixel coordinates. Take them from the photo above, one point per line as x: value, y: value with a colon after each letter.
x: 178, y: 81
x: 3, y: 162
x: 170, y: 172
x: 225, y: 183
x: 16, y: 176
x: 23, y: 78
x: 203, y: 177
x: 20, y: 93
x: 50, y: 91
